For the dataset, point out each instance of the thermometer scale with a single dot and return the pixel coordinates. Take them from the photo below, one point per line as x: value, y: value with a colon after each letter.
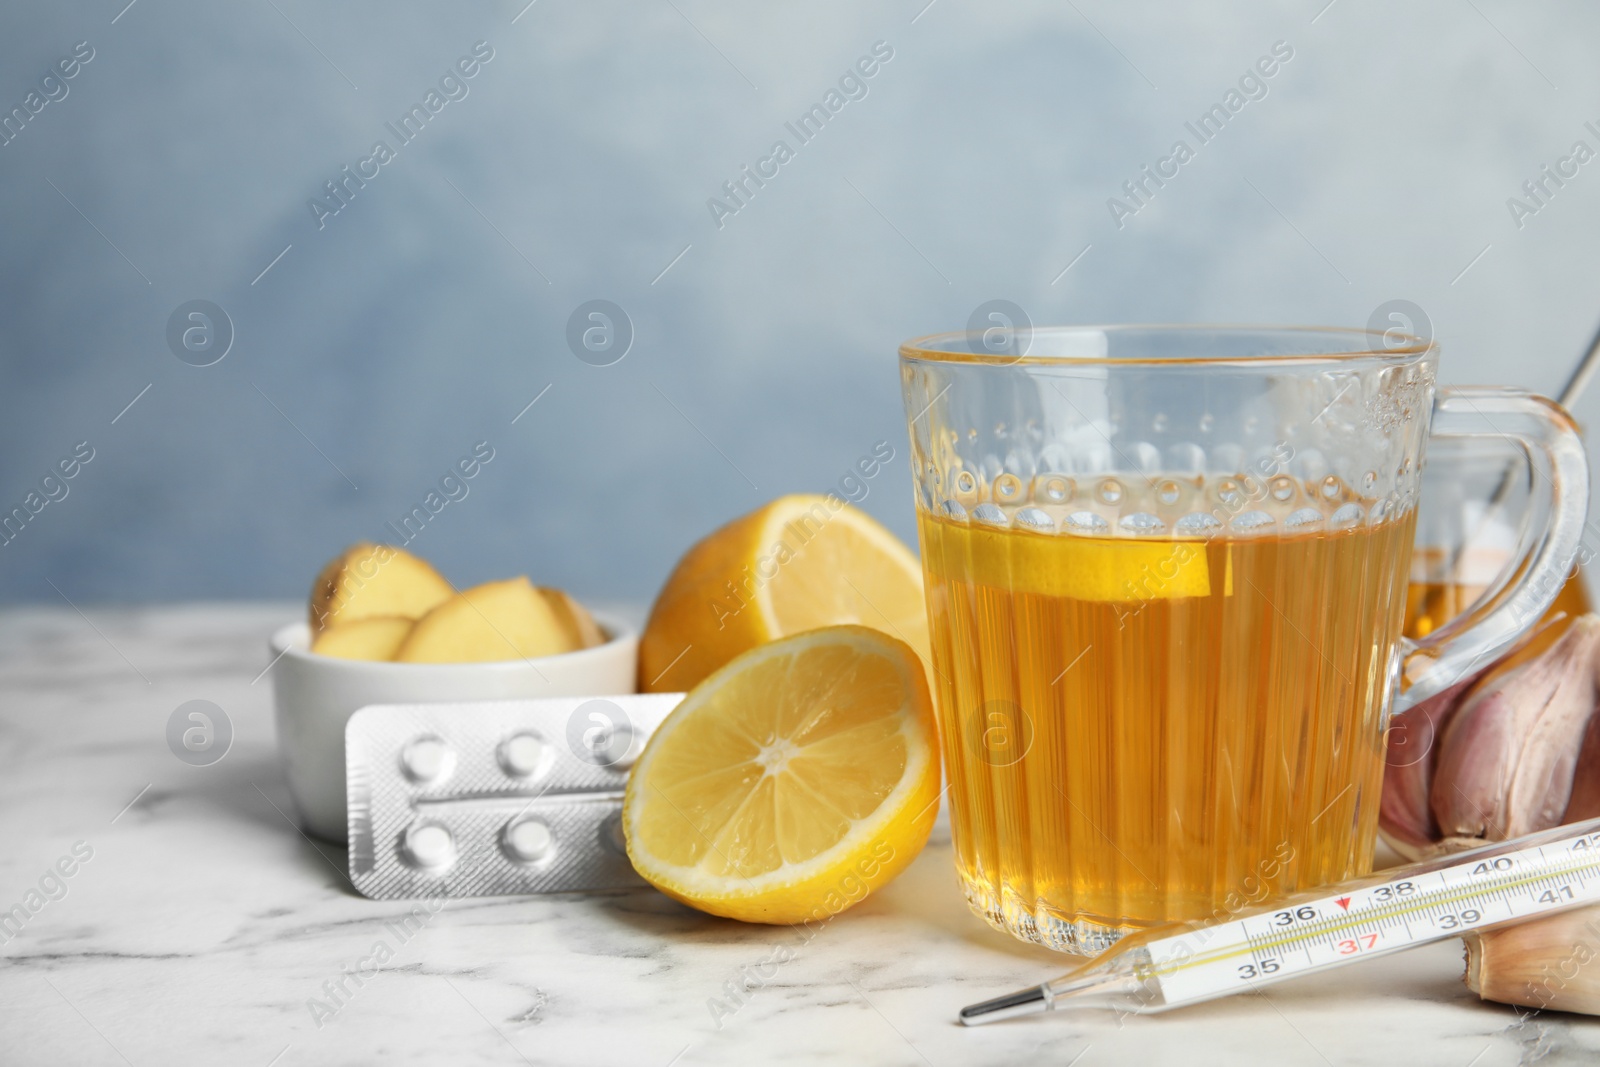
x: 1396, y: 909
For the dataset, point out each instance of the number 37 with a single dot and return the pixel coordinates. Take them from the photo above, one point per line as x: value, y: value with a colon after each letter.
x: 1357, y: 944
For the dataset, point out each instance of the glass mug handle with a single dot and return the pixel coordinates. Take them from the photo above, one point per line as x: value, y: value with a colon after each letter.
x: 1558, y: 503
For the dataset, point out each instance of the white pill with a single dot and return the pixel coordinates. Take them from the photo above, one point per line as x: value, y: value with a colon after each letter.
x: 430, y: 845
x: 426, y: 759
x: 528, y: 840
x: 623, y: 747
x: 611, y: 835
x: 523, y: 755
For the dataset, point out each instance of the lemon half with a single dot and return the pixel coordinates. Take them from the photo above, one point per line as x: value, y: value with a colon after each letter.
x: 792, y: 782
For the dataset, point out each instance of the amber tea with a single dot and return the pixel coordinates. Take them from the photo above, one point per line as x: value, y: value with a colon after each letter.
x: 1433, y: 599
x: 1142, y: 730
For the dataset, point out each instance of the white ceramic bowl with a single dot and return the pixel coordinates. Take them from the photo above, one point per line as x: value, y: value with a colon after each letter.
x: 315, y: 695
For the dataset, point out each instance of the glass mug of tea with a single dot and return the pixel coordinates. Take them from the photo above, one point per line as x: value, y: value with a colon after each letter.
x: 1166, y: 574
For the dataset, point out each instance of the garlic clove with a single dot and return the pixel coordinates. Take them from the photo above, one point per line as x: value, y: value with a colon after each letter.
x: 1506, y: 759
x: 1584, y: 803
x: 1547, y: 963
x: 1473, y: 769
x: 1541, y: 784
x: 1405, y: 814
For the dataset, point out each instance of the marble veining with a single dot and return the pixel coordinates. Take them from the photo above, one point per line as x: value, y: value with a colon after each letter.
x: 205, y: 928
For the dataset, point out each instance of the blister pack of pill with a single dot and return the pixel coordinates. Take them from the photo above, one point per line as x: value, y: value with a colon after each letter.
x: 495, y: 798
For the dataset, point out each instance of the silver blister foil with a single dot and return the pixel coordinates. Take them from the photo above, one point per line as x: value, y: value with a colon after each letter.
x: 494, y: 798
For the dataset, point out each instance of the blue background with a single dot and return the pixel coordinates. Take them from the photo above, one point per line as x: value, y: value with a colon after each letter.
x: 426, y: 314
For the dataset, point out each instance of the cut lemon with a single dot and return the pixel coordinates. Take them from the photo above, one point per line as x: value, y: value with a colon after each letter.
x: 801, y: 562
x: 1066, y: 565
x: 792, y: 782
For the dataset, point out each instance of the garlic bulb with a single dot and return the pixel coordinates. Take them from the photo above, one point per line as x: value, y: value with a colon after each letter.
x: 1507, y: 759
x: 1548, y: 963
x: 1501, y: 755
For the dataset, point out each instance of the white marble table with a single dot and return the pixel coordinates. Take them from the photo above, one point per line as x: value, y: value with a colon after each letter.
x: 203, y: 924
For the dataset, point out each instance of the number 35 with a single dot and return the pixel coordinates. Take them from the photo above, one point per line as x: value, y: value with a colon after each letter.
x: 1251, y: 970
